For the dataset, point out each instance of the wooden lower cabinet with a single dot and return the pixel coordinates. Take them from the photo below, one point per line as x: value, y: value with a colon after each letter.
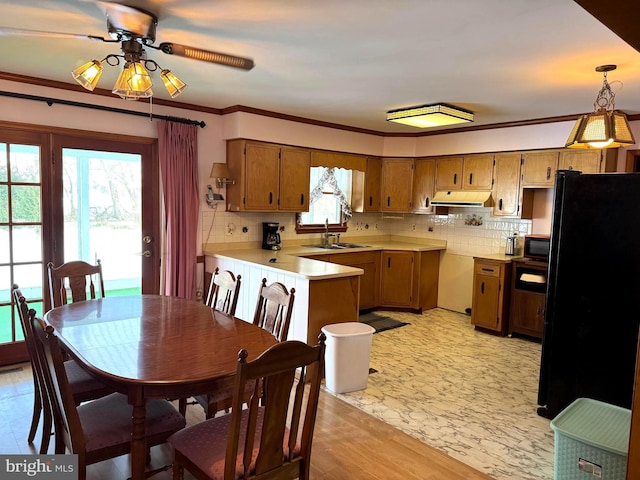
x: 396, y: 279
x: 526, y: 311
x: 370, y: 280
x: 490, y: 303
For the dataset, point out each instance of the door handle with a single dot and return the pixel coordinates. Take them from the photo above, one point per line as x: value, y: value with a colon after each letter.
x: 455, y: 178
x: 146, y: 254
x: 482, y: 288
x: 548, y: 173
x: 388, y: 201
x: 426, y: 202
x: 147, y: 239
x: 471, y: 179
x: 500, y: 205
x: 270, y: 198
x: 302, y: 199
x: 370, y: 200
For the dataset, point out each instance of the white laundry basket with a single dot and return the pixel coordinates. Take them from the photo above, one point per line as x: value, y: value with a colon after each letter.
x: 347, y: 356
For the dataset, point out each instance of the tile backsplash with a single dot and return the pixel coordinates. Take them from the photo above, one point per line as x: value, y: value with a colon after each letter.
x: 467, y: 231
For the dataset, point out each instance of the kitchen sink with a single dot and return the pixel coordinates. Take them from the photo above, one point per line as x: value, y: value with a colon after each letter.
x: 337, y: 246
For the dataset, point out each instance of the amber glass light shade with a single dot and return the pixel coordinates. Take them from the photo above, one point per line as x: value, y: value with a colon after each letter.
x: 88, y: 74
x: 133, y: 82
x: 173, y: 84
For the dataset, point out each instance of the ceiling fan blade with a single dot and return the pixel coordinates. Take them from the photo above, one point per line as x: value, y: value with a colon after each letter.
x: 7, y: 31
x: 207, y: 56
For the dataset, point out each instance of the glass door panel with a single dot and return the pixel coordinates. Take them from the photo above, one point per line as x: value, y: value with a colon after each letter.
x: 102, y: 208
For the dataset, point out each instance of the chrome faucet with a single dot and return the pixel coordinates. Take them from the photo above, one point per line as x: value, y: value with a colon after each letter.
x: 326, y: 235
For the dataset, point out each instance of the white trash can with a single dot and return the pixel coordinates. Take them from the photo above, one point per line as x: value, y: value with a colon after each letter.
x: 346, y: 360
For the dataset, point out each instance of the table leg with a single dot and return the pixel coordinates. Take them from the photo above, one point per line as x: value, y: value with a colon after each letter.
x: 138, y: 440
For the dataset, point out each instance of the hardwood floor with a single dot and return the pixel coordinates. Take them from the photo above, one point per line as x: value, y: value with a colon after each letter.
x: 347, y: 442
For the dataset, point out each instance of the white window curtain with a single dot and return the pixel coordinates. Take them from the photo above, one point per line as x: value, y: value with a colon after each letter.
x: 332, y: 177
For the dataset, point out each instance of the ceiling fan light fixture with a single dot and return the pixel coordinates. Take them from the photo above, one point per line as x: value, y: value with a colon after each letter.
x: 605, y: 127
x: 88, y: 74
x: 425, y: 116
x: 173, y: 84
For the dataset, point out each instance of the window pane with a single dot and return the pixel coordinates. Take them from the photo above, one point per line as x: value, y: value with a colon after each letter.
x: 3, y: 162
x: 27, y: 243
x: 5, y: 285
x: 5, y: 324
x: 4, y: 244
x: 25, y: 163
x: 29, y: 279
x: 4, y: 204
x: 25, y: 204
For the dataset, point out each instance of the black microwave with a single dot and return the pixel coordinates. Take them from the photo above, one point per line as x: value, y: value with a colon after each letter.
x: 536, y: 247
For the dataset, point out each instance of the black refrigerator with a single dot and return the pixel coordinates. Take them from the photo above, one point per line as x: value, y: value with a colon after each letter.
x: 592, y: 310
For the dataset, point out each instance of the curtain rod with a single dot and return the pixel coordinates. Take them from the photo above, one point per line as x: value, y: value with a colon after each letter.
x: 51, y: 101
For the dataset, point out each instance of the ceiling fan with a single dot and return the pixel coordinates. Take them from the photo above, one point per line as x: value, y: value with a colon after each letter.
x: 135, y: 30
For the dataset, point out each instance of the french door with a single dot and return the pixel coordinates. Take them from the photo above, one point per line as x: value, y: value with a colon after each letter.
x: 74, y: 197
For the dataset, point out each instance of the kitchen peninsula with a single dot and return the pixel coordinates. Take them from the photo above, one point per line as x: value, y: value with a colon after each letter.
x: 328, y: 290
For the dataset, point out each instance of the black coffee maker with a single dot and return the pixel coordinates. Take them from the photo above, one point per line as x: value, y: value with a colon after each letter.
x: 270, y: 236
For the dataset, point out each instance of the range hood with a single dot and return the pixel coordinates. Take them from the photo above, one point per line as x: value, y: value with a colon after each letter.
x: 461, y: 198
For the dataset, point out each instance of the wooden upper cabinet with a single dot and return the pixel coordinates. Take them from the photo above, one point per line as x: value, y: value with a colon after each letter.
x: 586, y: 161
x: 477, y: 172
x: 472, y: 172
x: 397, y: 181
x: 506, y: 187
x: 295, y: 166
x: 424, y: 184
x: 449, y: 173
x: 261, y: 177
x: 268, y: 177
x: 539, y: 168
x: 372, y: 184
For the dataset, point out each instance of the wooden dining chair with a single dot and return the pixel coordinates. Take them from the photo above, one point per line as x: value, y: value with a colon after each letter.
x: 101, y: 429
x: 272, y: 437
x: 83, y: 386
x: 273, y: 313
x: 223, y: 291
x: 74, y: 280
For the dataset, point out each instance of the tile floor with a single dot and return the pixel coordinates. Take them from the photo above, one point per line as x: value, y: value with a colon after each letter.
x: 465, y: 392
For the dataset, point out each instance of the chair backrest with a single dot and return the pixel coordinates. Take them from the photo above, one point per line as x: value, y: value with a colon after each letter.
x: 274, y: 308
x: 276, y: 411
x: 68, y: 429
x: 27, y: 330
x: 72, y: 279
x: 223, y: 291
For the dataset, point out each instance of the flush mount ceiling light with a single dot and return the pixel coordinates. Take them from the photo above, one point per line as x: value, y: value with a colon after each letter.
x: 605, y: 127
x: 426, y: 116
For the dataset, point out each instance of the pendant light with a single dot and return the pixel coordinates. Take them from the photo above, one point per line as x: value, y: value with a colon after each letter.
x: 604, y: 127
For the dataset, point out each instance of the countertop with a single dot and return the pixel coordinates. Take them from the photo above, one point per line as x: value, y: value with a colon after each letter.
x: 497, y: 257
x: 291, y: 259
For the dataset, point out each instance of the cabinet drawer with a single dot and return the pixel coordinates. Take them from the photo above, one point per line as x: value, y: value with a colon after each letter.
x: 487, y: 269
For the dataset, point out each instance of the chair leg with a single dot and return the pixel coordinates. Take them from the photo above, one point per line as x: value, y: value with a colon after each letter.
x: 37, y: 409
x: 182, y: 406
x: 46, y: 430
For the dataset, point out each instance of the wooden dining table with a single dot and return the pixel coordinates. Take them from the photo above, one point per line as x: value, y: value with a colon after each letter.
x: 154, y: 346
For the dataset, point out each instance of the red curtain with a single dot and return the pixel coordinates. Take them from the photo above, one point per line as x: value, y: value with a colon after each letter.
x: 178, y: 147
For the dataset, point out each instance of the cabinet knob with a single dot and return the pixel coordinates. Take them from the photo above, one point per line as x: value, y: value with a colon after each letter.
x: 548, y: 173
x: 388, y: 201
x: 302, y: 199
x: 471, y: 179
x: 370, y: 200
x: 270, y: 198
x: 482, y: 288
x: 500, y: 205
x: 455, y: 178
x: 426, y: 202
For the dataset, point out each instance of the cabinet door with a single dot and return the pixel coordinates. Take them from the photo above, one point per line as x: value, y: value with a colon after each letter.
x: 586, y: 161
x: 396, y: 279
x: 477, y: 172
x: 449, y: 173
x: 484, y: 308
x: 397, y: 180
x: 539, y: 169
x: 424, y: 184
x: 527, y: 313
x: 261, y: 177
x: 295, y: 165
x: 506, y: 187
x: 369, y: 280
x: 372, y: 183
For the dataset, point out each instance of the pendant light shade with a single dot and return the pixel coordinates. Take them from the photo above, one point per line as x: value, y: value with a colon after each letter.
x: 605, y: 127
